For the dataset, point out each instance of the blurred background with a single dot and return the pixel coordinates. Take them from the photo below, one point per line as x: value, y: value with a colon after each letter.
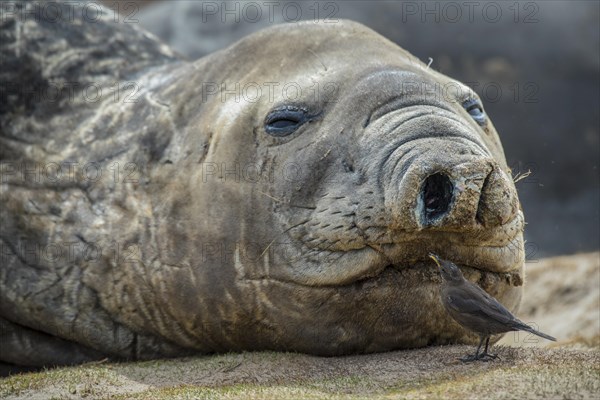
x: 535, y: 65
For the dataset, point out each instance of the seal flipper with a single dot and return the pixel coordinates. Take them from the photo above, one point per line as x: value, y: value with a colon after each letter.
x: 26, y: 347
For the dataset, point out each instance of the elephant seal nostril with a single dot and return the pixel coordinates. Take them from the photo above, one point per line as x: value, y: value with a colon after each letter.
x: 437, y: 196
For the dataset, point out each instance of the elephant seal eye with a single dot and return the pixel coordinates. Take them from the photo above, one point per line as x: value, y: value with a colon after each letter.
x: 285, y: 120
x: 475, y: 110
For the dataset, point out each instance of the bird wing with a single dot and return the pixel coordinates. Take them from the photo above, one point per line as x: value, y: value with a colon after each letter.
x: 471, y: 299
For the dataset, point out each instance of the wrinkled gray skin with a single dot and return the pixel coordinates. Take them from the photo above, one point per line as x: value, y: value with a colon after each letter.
x: 318, y: 244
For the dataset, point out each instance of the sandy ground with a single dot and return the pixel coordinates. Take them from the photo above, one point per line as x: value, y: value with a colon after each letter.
x: 562, y: 298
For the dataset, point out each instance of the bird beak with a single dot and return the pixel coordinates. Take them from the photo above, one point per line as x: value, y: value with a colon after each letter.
x: 434, y: 258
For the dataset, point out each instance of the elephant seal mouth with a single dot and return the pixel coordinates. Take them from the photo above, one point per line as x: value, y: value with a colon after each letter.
x: 485, y: 278
x: 427, y: 271
x: 488, y: 280
x: 492, y: 261
x: 494, y: 255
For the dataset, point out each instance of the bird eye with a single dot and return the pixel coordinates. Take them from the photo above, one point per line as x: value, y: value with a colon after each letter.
x: 285, y: 120
x: 475, y: 110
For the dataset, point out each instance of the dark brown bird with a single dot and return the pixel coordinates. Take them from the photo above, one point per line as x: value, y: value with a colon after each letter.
x: 476, y: 310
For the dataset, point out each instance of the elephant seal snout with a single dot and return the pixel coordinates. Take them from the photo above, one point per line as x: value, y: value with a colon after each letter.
x: 388, y: 166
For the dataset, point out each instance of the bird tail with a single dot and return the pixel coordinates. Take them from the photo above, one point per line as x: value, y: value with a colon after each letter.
x: 538, y: 333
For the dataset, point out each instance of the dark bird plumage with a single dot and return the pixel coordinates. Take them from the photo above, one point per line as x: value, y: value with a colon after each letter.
x: 476, y: 310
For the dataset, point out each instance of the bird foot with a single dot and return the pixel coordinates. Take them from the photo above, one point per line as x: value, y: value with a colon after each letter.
x: 488, y: 356
x: 481, y: 356
x: 469, y: 358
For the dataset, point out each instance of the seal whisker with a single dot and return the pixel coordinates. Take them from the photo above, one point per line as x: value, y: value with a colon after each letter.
x: 295, y: 225
x: 266, y: 248
x: 306, y: 207
x: 318, y: 58
x: 520, y: 176
x: 271, y: 197
x: 429, y: 63
x: 316, y: 252
x: 326, y: 154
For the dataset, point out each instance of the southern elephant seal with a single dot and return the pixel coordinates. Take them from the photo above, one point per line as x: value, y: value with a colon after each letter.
x: 281, y: 194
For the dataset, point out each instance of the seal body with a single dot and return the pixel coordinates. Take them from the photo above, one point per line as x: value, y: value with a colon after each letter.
x: 280, y: 194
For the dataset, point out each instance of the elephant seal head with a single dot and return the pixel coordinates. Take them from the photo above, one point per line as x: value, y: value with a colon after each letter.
x: 281, y: 194
x: 323, y: 163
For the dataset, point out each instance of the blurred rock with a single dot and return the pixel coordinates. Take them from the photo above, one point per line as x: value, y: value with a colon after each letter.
x: 562, y: 298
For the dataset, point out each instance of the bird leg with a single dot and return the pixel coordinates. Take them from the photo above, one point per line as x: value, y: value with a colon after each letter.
x: 476, y: 356
x: 485, y: 356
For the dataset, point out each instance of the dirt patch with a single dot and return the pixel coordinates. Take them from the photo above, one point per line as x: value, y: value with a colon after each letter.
x: 561, y: 298
x: 430, y: 372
